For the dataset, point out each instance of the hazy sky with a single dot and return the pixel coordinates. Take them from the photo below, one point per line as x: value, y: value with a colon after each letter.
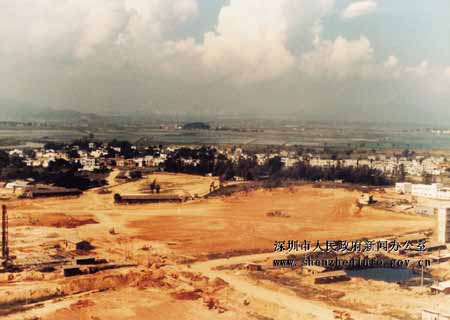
x: 315, y: 59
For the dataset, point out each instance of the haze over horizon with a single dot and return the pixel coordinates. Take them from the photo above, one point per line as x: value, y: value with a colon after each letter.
x: 338, y: 60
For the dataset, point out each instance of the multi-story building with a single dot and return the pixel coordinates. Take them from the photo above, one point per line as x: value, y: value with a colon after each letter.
x: 444, y: 225
x: 432, y: 191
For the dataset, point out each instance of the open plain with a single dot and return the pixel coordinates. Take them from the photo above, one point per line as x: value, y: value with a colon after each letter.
x: 173, y: 259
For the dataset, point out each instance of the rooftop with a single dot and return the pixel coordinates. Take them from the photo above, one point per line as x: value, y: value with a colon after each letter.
x: 441, y: 285
x: 331, y: 274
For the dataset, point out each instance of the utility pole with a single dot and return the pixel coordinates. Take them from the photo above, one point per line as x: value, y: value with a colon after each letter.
x: 5, y: 247
x: 421, y: 277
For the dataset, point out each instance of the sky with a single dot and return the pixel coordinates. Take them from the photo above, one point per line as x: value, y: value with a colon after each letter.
x: 363, y: 60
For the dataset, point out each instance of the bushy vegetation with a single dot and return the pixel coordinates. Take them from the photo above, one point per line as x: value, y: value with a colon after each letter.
x: 201, y: 161
x: 357, y: 175
x: 60, y: 173
x: 207, y: 160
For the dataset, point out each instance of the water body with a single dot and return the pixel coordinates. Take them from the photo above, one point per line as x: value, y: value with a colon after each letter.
x: 32, y: 145
x: 383, y: 274
x: 309, y: 137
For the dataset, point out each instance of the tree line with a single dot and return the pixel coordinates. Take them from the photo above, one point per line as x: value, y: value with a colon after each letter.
x: 209, y: 161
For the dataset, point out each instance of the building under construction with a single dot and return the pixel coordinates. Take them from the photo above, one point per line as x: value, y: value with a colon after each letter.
x: 50, y: 192
x: 148, y: 198
x: 331, y: 276
x: 444, y: 225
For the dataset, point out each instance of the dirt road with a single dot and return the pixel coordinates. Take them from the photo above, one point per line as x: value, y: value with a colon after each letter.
x: 292, y: 303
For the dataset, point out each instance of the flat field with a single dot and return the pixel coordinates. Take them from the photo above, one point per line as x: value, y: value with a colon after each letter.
x: 170, y: 249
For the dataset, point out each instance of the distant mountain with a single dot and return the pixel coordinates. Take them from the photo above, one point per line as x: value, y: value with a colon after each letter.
x: 19, y: 111
x: 14, y: 110
x: 196, y: 126
x: 65, y: 115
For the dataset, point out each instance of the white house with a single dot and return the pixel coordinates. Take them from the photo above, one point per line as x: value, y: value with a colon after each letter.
x: 426, y: 190
x: 403, y: 187
x: 89, y: 164
x: 18, y: 184
x: 433, y: 191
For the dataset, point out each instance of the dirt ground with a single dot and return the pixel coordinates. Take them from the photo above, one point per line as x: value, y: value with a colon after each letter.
x: 163, y: 237
x: 240, y: 222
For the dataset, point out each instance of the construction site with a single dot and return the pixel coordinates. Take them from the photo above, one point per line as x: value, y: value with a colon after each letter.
x: 93, y: 257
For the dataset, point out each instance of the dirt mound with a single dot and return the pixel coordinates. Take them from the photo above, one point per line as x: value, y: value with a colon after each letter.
x: 344, y: 207
x: 151, y: 279
x: 80, y: 304
x: 219, y: 283
x: 61, y: 220
x: 188, y: 295
x: 71, y: 223
x: 278, y: 214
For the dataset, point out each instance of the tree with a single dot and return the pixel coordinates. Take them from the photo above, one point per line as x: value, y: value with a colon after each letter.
x: 4, y: 159
x: 274, y: 165
x: 58, y: 165
x: 136, y: 174
x: 405, y: 153
x: 401, y: 172
x: 126, y: 149
x: 427, y: 178
x: 53, y: 146
x: 153, y: 186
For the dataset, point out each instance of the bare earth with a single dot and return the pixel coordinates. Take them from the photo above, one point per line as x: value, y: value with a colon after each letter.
x: 169, y: 249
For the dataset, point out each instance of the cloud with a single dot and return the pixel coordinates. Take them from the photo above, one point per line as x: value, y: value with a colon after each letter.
x: 447, y: 72
x: 339, y: 58
x: 260, y: 56
x: 75, y: 29
x: 151, y: 18
x: 421, y: 70
x: 101, y: 24
x: 391, y: 62
x: 359, y: 8
x: 251, y: 40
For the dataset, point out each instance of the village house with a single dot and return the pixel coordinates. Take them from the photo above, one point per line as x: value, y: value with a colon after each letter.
x: 74, y: 243
x: 441, y: 287
x: 88, y: 164
x: 18, y: 185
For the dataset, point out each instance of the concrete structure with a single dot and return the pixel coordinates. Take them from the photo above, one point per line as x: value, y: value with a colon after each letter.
x: 313, y: 269
x: 148, y: 198
x: 412, y: 237
x: 70, y: 271
x: 18, y: 184
x: 441, y: 287
x: 435, y: 246
x: 253, y: 267
x: 443, y: 194
x: 432, y: 191
x: 440, y: 257
x: 426, y: 210
x: 84, y: 260
x: 434, y: 315
x: 444, y: 225
x: 403, y: 187
x: 332, y: 276
x: 425, y: 190
x: 50, y: 192
x: 75, y: 243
